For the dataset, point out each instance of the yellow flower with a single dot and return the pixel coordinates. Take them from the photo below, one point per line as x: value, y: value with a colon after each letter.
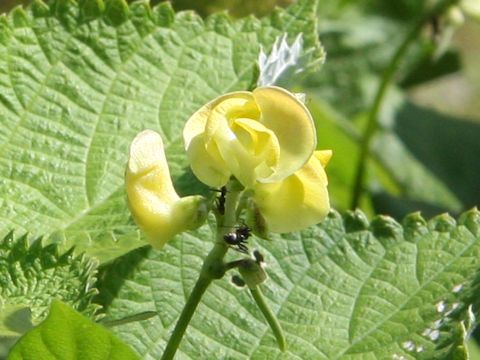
x: 154, y: 203
x: 299, y: 201
x: 260, y: 136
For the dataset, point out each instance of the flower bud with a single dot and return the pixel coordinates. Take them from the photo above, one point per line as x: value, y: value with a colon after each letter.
x: 156, y: 207
x: 252, y: 273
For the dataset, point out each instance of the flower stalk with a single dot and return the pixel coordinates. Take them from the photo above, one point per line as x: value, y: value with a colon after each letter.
x: 270, y: 317
x: 213, y: 268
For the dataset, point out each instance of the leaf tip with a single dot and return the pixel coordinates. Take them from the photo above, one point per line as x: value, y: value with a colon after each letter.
x: 471, y: 220
x: 164, y: 14
x: 383, y: 226
x: 413, y: 225
x: 442, y: 223
x: 116, y: 11
x: 19, y: 17
x: 91, y: 9
x: 355, y: 221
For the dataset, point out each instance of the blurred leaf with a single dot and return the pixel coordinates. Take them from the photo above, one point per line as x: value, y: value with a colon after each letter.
x: 360, y: 41
x: 402, y: 177
x: 338, y: 134
x: 65, y: 334
x: 359, y: 46
x: 429, y: 68
x: 346, y: 289
x: 448, y: 146
x: 399, y: 9
x: 416, y: 179
x: 444, y: 147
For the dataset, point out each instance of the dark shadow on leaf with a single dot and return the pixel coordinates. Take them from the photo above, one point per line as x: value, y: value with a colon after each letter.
x: 112, y: 275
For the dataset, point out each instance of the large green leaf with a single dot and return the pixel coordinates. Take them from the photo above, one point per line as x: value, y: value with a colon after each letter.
x: 79, y: 80
x: 346, y: 289
x: 65, y: 334
x: 235, y: 7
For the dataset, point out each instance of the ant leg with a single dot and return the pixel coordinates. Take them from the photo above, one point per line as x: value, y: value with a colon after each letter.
x: 242, y: 248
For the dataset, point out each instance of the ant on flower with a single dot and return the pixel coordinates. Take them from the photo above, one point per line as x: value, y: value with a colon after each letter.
x: 238, y: 238
x: 220, y: 201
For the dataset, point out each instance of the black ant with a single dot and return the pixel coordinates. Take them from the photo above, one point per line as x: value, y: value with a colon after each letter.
x: 238, y: 238
x: 220, y: 202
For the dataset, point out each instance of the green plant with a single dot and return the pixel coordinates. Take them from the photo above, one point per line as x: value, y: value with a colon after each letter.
x: 80, y: 78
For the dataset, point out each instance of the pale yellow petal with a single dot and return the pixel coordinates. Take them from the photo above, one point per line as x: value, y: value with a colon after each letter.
x: 293, y: 125
x: 299, y: 201
x: 148, y: 169
x: 151, y: 196
x: 196, y: 124
x: 208, y: 166
x: 323, y: 156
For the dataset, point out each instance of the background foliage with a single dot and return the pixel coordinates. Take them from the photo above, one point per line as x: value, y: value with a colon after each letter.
x: 96, y: 79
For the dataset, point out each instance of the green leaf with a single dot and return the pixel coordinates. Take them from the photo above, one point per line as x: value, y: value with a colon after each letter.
x: 346, y: 289
x: 434, y: 157
x: 33, y: 275
x: 79, y: 79
x: 236, y: 8
x: 429, y: 68
x: 65, y: 334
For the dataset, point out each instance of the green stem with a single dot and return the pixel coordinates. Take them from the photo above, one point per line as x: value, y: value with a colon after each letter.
x: 270, y: 317
x: 372, y: 123
x: 193, y: 300
x: 213, y: 268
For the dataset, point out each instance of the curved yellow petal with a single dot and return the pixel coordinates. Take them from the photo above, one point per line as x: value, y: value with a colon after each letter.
x: 323, y: 156
x: 299, y: 201
x: 196, y: 124
x: 208, y: 166
x: 211, y: 124
x: 155, y: 206
x: 284, y: 114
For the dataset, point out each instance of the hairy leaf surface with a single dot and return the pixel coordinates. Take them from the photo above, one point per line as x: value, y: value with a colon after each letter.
x: 347, y: 289
x: 79, y: 79
x: 33, y: 275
